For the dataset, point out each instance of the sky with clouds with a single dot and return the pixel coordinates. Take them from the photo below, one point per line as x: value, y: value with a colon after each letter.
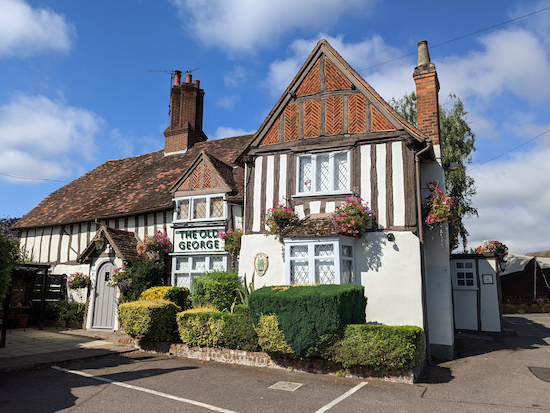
x: 77, y: 89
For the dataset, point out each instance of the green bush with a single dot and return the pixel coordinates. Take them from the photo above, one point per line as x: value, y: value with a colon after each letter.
x: 178, y: 295
x: 64, y: 310
x: 218, y: 329
x: 377, y: 347
x: 270, y: 337
x: 306, y: 313
x: 218, y: 287
x: 153, y: 320
x: 144, y: 275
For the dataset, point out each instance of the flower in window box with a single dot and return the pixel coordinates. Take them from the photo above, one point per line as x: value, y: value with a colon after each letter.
x: 232, y: 240
x: 438, y: 208
x: 492, y: 246
x: 353, y: 217
x: 279, y: 219
x: 78, y: 280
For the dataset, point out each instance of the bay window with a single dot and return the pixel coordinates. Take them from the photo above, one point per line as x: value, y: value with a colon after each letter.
x: 319, y: 261
x: 198, y: 208
x: 185, y: 268
x: 323, y: 173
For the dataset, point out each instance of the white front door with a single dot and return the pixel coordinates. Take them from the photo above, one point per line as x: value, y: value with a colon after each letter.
x: 105, y: 299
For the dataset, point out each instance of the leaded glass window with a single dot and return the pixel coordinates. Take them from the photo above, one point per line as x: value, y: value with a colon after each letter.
x: 323, y: 173
x: 186, y: 268
x: 216, y: 207
x: 199, y: 208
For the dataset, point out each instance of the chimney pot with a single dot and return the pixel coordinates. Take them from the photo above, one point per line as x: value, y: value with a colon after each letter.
x: 197, y: 83
x: 188, y: 78
x: 177, y: 78
x: 423, y: 53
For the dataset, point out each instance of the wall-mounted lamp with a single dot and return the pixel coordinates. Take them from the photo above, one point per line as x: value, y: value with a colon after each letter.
x: 501, y: 264
x: 99, y: 242
x: 391, y: 237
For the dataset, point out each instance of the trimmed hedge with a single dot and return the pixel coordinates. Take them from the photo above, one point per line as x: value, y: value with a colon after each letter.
x: 306, y: 313
x: 271, y: 338
x: 218, y: 329
x: 153, y: 320
x: 377, y: 347
x: 217, y: 287
x: 178, y: 295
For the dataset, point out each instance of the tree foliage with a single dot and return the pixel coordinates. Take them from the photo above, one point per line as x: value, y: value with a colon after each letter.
x: 457, y: 144
x: 10, y: 257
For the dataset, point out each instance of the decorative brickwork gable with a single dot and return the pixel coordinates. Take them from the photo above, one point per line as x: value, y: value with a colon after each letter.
x: 312, y: 83
x: 335, y: 80
x: 379, y: 122
x: 185, y: 185
x: 207, y: 178
x: 357, y: 114
x: 292, y: 122
x: 197, y: 177
x: 273, y: 134
x: 334, y: 115
x: 312, y: 119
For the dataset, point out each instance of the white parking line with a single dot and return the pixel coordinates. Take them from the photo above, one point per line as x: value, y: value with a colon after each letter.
x: 342, y: 397
x: 157, y: 393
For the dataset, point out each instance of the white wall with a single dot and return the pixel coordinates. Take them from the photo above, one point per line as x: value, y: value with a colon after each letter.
x: 250, y: 246
x: 490, y: 306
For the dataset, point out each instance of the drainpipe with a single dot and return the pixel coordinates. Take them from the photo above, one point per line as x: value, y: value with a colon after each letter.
x: 421, y: 237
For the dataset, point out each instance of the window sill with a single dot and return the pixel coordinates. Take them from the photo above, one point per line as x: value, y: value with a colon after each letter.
x: 465, y: 288
x: 324, y: 195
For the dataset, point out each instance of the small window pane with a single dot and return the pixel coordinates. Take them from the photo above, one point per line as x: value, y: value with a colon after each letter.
x: 183, y: 209
x: 216, y: 207
x: 469, y: 264
x: 341, y: 171
x: 199, y: 208
x: 347, y: 251
x: 347, y: 272
x: 299, y: 272
x: 199, y: 263
x: 460, y: 283
x: 298, y: 251
x: 216, y: 264
x: 459, y: 265
x: 324, y: 271
x: 304, y: 178
x: 469, y: 283
x: 182, y: 264
x: 322, y: 174
x: 324, y: 250
x: 469, y: 275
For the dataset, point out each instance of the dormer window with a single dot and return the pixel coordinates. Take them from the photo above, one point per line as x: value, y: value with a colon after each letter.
x: 323, y: 173
x: 198, y: 208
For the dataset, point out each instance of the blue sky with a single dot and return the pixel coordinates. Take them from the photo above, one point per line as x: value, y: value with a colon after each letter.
x: 76, y: 90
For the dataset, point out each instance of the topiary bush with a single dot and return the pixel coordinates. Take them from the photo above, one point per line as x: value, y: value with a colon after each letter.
x: 239, y: 332
x: 178, y: 295
x: 378, y: 347
x: 270, y: 337
x: 217, y: 287
x: 305, y: 313
x: 152, y: 320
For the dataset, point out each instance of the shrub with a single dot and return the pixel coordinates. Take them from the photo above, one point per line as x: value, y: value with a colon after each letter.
x: 217, y: 287
x: 203, y: 328
x: 144, y: 275
x: 178, y: 295
x: 270, y: 337
x: 153, y: 320
x: 378, y: 347
x: 64, y: 310
x: 305, y: 313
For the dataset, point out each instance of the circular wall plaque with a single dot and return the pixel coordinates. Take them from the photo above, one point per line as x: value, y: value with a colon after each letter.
x: 261, y: 263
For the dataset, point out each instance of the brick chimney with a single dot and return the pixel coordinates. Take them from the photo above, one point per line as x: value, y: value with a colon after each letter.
x: 185, y: 115
x: 427, y: 88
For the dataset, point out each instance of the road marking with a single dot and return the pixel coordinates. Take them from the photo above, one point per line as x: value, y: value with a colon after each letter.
x: 143, y: 389
x: 342, y: 397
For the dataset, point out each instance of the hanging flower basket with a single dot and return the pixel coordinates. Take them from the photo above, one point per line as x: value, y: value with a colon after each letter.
x: 279, y: 219
x: 78, y: 280
x: 232, y: 240
x: 492, y: 246
x: 354, y: 217
x: 438, y: 208
x: 121, y: 279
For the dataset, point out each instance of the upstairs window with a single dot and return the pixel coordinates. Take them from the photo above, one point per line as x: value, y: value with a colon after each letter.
x: 324, y: 173
x: 200, y: 208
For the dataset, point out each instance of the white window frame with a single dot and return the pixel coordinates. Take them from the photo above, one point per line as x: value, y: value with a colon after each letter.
x: 338, y: 242
x: 313, y: 157
x: 194, y: 273
x: 461, y: 266
x: 192, y: 200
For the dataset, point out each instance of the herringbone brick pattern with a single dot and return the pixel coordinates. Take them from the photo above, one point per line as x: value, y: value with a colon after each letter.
x: 185, y: 185
x: 335, y: 80
x: 197, y: 177
x: 312, y: 82
x: 273, y: 135
x: 357, y: 114
x: 379, y: 122
x: 207, y: 177
x: 312, y: 119
x: 215, y: 183
x: 334, y: 115
x: 291, y: 122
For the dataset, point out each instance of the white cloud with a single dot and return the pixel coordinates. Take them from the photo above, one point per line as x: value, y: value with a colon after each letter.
x: 227, y: 132
x: 228, y: 102
x: 247, y: 25
x: 124, y: 144
x: 45, y: 138
x: 392, y: 80
x: 236, y: 77
x: 25, y: 31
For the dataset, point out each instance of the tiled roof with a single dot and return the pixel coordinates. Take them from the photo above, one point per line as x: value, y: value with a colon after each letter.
x: 130, y: 186
x: 125, y: 243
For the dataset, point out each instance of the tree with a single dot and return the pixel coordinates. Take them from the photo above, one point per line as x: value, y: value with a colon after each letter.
x: 457, y: 144
x: 10, y: 257
x: 6, y: 223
